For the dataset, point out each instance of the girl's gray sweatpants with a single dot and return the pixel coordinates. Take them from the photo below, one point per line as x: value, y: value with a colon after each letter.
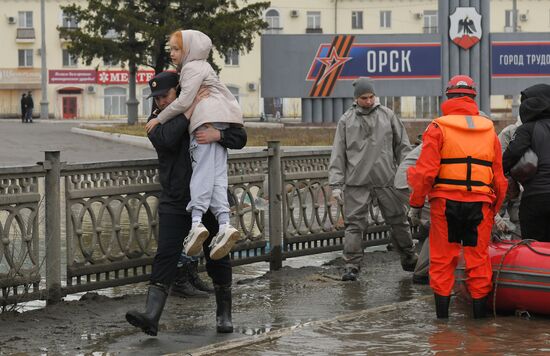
x: 209, y: 179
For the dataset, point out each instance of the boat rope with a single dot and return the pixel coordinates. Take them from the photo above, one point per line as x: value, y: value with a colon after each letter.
x: 526, y: 242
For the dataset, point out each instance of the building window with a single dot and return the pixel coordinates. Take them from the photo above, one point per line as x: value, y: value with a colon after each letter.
x: 509, y: 21
x: 232, y: 57
x: 115, y: 101
x: 68, y: 59
x: 313, y: 20
x: 430, y: 21
x: 357, y: 20
x: 385, y: 19
x: 146, y: 102
x: 234, y: 91
x: 273, y: 22
x: 25, y: 19
x: 25, y: 57
x: 68, y: 21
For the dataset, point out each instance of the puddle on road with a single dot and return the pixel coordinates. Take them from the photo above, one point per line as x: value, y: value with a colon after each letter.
x: 411, y: 328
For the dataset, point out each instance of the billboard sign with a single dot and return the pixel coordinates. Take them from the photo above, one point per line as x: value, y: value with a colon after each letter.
x: 378, y: 61
x: 326, y: 65
x: 515, y: 59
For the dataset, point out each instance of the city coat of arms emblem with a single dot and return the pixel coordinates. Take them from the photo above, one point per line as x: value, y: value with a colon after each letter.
x: 465, y: 27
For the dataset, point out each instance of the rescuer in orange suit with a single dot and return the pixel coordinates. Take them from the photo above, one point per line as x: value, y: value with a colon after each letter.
x: 460, y: 170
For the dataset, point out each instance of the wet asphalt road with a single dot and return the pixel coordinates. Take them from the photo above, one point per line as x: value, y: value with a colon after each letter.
x: 24, y: 144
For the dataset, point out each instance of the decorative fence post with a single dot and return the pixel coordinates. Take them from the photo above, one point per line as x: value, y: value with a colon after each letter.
x: 53, y: 226
x: 275, y: 205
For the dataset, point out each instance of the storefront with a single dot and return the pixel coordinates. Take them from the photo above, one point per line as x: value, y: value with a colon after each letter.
x: 96, y: 94
x: 13, y: 83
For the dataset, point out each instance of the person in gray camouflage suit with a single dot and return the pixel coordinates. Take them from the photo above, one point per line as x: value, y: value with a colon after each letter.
x: 369, y: 144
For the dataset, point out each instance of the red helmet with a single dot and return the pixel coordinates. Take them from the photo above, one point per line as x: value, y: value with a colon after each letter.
x: 461, y: 84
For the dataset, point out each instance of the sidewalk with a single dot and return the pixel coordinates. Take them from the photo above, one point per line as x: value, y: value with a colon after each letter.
x: 306, y: 289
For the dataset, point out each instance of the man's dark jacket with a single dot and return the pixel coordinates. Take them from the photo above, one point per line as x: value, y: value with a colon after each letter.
x: 171, y: 141
x: 29, y: 102
x: 534, y: 133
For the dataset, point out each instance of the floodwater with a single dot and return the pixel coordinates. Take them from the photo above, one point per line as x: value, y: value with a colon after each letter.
x: 411, y: 328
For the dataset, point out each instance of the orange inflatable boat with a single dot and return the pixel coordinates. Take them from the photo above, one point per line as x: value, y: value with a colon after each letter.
x: 521, y: 276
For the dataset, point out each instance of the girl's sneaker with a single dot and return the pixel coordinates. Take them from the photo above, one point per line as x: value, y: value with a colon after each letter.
x: 223, y: 242
x: 192, y: 245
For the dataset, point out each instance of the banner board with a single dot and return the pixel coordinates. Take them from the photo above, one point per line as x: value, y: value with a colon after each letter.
x: 326, y: 65
x: 518, y: 61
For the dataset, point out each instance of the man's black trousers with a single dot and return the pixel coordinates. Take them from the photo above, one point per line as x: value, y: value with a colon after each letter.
x: 173, y: 228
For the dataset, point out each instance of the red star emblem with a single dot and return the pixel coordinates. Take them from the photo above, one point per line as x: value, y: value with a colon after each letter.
x: 332, y: 63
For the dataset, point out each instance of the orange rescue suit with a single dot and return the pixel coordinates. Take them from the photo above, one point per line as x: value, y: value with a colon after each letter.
x: 460, y: 170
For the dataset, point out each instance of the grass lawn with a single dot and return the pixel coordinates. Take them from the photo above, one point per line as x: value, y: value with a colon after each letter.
x: 289, y: 136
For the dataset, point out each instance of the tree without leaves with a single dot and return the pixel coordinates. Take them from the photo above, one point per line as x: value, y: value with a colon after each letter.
x: 229, y: 27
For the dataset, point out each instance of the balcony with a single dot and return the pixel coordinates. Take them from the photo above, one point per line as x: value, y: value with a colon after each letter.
x: 25, y: 35
x: 63, y: 36
x: 314, y: 30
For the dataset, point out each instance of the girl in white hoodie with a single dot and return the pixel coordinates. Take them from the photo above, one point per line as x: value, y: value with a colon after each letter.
x: 189, y: 50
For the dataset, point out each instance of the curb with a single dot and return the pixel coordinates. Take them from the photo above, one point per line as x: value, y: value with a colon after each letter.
x: 120, y: 138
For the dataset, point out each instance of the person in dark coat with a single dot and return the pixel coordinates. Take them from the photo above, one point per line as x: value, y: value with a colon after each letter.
x: 23, y: 107
x: 534, y: 133
x: 29, y: 106
x: 171, y: 141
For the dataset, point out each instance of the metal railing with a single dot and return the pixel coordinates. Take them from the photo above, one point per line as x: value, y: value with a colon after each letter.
x: 103, y: 218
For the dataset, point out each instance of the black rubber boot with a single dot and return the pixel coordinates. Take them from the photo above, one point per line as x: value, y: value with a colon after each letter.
x: 183, y: 287
x: 196, y: 280
x: 480, y: 307
x: 223, y: 308
x: 148, y: 321
x: 442, y: 306
x: 350, y: 274
x: 409, y: 262
x: 420, y: 279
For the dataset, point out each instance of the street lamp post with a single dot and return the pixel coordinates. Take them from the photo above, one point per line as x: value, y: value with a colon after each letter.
x: 44, y: 69
x: 515, y: 98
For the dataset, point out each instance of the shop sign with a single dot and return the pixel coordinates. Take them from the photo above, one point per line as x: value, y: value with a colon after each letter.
x: 19, y: 76
x: 121, y: 76
x: 74, y: 76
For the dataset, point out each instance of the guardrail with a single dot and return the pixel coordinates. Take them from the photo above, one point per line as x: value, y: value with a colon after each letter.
x: 68, y: 228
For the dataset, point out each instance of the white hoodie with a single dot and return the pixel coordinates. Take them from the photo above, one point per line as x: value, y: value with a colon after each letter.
x: 220, y: 105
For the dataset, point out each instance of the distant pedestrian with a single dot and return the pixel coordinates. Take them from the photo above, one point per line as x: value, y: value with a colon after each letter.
x: 29, y: 106
x: 23, y: 107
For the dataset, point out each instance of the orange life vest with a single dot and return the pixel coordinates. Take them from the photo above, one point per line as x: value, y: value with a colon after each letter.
x: 467, y: 154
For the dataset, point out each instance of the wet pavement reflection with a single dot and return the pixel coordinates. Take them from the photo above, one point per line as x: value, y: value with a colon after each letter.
x: 411, y: 328
x: 302, y: 309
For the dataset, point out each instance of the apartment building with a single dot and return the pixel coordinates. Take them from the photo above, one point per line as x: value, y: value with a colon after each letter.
x: 100, y: 90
